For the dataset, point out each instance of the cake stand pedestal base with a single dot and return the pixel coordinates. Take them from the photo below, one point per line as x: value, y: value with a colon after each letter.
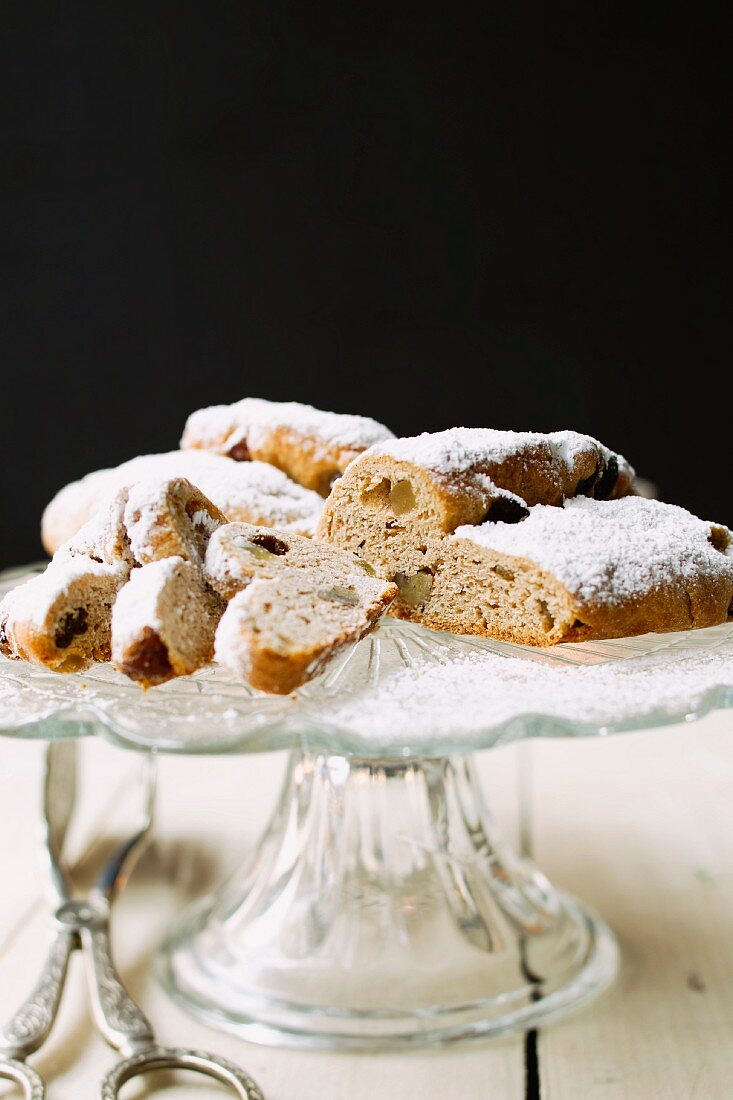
x: 384, y: 909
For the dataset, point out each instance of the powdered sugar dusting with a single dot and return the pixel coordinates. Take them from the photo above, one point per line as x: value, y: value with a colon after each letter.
x: 254, y: 418
x: 610, y: 550
x: 251, y: 491
x: 231, y: 643
x: 471, y: 694
x: 568, y: 445
x: 32, y: 601
x: 404, y: 691
x: 103, y: 537
x: 457, y: 450
x: 137, y: 604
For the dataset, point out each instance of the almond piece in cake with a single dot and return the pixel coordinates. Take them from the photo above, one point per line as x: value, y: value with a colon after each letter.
x: 279, y: 633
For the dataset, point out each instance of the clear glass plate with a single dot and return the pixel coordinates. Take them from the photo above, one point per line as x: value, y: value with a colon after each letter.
x: 371, y: 703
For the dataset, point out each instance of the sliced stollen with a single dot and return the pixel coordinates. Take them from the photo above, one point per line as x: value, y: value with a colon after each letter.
x: 399, y: 499
x: 311, y: 446
x: 170, y: 518
x: 278, y: 633
x: 250, y: 491
x: 239, y: 552
x: 61, y: 619
x: 164, y: 621
x: 589, y: 569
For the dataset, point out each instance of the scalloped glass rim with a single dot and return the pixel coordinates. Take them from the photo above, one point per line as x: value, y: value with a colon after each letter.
x: 210, y: 713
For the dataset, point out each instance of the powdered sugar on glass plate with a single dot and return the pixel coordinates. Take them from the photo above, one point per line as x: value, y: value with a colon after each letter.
x: 461, y: 696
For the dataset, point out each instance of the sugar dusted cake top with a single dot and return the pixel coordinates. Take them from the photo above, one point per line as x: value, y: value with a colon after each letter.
x: 452, y: 452
x: 612, y: 550
x: 255, y: 415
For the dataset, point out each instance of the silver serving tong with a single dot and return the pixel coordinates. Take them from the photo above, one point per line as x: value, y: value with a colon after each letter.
x: 83, y: 924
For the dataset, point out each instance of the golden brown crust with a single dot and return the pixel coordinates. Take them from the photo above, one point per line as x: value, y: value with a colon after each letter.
x: 306, y: 459
x: 311, y: 446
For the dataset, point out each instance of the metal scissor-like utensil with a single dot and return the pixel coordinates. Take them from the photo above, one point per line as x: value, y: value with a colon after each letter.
x: 83, y: 924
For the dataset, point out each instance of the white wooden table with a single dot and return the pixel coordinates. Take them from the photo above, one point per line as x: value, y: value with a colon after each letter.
x: 640, y: 826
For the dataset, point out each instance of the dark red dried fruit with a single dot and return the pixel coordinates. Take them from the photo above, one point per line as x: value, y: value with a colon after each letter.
x: 240, y: 452
x: 719, y: 539
x: 4, y: 640
x: 71, y: 625
x: 148, y: 659
x: 585, y: 487
x: 607, y: 481
x: 270, y: 543
x: 506, y: 510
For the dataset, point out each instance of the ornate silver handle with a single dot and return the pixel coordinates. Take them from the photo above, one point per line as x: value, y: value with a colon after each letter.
x: 31, y: 1083
x: 119, y: 1019
x: 210, y: 1065
x: 31, y: 1024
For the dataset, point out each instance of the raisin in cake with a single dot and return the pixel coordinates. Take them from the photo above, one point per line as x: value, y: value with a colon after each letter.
x: 61, y: 619
x: 251, y: 491
x: 311, y: 446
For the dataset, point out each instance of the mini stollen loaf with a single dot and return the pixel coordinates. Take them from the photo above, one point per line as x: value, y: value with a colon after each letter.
x: 63, y: 619
x: 311, y: 446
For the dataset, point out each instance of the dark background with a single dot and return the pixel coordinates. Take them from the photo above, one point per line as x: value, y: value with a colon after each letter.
x: 464, y: 218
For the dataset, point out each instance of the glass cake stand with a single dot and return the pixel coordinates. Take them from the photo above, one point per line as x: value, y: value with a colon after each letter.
x: 382, y: 907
